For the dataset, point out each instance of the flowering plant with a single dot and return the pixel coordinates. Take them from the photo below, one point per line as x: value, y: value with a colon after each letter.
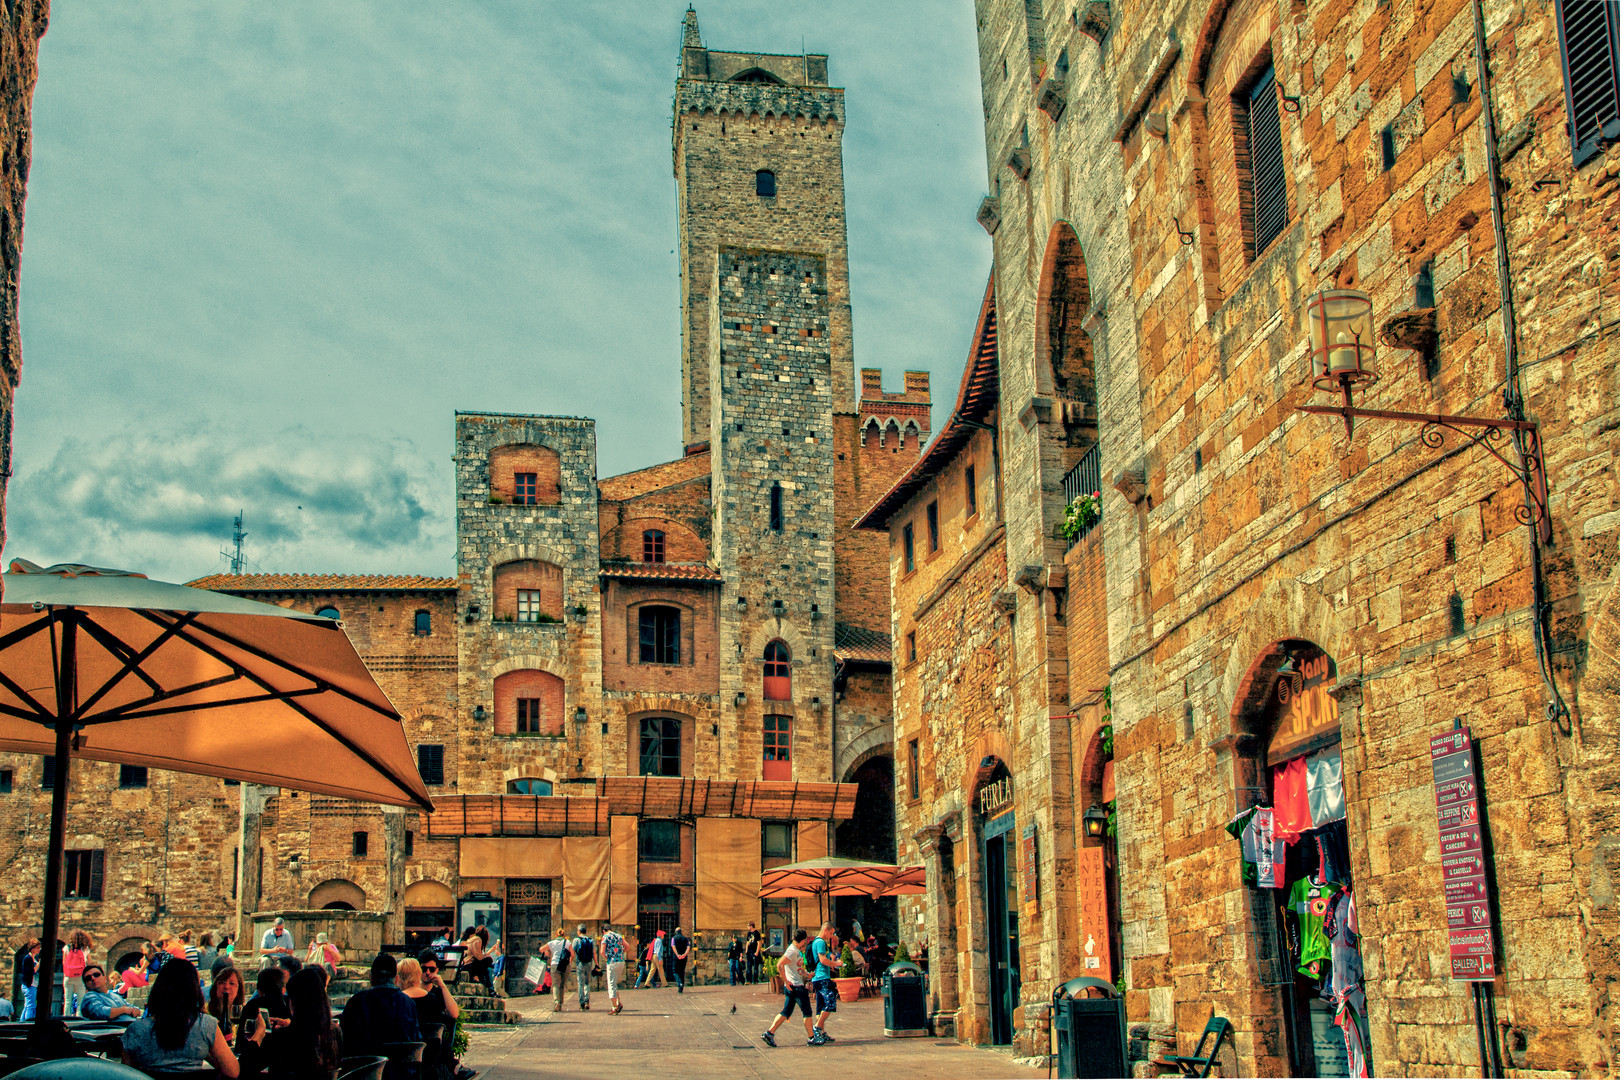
x: 1082, y: 514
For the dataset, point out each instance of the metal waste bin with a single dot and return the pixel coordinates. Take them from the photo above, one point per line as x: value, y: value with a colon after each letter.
x: 905, y: 1001
x: 1090, y: 1031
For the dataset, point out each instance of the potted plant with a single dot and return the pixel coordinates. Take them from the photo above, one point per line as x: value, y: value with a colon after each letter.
x: 849, y: 976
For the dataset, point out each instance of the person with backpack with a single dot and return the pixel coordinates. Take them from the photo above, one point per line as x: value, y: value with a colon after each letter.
x: 680, y: 947
x: 557, y: 952
x: 613, y: 953
x: 584, y: 950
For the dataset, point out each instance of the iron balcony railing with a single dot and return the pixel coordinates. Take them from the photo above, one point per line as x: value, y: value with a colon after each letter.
x: 1082, y: 480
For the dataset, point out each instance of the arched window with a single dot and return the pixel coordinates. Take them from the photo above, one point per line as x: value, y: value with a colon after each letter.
x: 891, y: 436
x: 660, y: 746
x: 872, y: 435
x: 528, y: 591
x: 660, y: 634
x: 528, y: 703
x: 528, y: 785
x: 524, y: 474
x: 328, y: 612
x: 757, y: 75
x: 765, y: 184
x: 778, y: 672
x: 652, y: 546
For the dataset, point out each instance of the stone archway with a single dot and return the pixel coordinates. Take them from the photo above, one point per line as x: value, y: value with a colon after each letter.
x: 336, y: 892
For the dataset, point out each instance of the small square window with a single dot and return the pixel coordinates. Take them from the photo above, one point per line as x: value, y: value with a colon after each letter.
x: 424, y: 623
x: 660, y: 841
x: 652, y: 546
x: 362, y: 843
x: 525, y: 488
x: 132, y: 776
x: 528, y: 716
x: 971, y: 486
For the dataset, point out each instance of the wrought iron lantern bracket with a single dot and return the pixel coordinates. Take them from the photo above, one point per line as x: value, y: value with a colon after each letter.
x: 1530, y: 470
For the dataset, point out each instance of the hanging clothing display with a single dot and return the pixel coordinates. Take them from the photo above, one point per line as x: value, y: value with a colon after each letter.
x: 1352, y: 1020
x: 1308, y: 903
x: 1325, y: 786
x: 1341, y: 927
x: 1263, y: 852
x: 1290, y: 800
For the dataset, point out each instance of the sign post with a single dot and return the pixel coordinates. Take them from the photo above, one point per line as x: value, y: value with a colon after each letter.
x: 1462, y: 856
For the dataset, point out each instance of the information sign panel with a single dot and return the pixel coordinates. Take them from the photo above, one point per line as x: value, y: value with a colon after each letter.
x: 1462, y: 857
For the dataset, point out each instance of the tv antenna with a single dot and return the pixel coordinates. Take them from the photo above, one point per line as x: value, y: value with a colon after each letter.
x: 237, y: 536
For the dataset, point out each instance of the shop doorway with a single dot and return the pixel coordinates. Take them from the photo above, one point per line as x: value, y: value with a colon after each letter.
x: 528, y: 928
x: 998, y: 856
x: 1304, y: 899
x: 658, y: 907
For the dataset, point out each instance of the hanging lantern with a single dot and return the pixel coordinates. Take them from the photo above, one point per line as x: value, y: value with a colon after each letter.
x: 1095, y: 820
x: 1341, y: 327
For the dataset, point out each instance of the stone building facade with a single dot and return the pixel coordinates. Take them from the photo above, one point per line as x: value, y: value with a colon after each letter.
x: 1265, y: 592
x: 638, y: 692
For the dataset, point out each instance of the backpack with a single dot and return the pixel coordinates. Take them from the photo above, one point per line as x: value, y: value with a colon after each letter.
x: 584, y: 950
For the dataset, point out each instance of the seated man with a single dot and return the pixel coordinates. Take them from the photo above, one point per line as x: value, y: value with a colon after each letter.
x: 382, y: 1014
x: 99, y: 1002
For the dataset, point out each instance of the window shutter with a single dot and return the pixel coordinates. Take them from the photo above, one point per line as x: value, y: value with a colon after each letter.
x: 1589, y: 38
x: 1266, y: 169
x: 97, y: 866
x: 672, y: 638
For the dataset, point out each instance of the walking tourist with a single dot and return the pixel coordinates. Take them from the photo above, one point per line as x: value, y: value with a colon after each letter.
x: 306, y: 1048
x: 613, y: 954
x: 680, y: 947
x: 226, y: 997
x: 824, y: 951
x: 28, y: 977
x: 557, y: 954
x: 795, y: 991
x: 584, y: 952
x: 175, y: 1033
x: 74, y: 956
x: 751, y: 953
x: 734, y: 960
x: 99, y: 1002
x: 381, y: 1014
x: 276, y: 944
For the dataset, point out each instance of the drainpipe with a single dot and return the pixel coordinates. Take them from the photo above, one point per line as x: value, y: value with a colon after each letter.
x: 1512, y: 396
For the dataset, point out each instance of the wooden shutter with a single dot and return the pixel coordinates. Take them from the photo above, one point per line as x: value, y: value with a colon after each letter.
x: 1267, y: 178
x: 1589, y: 37
x: 430, y: 763
x: 97, y: 871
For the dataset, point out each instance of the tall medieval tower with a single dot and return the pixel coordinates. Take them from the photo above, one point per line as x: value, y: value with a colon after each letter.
x: 758, y: 144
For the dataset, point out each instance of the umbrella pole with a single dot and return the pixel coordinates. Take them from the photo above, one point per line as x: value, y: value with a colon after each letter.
x: 49, y: 954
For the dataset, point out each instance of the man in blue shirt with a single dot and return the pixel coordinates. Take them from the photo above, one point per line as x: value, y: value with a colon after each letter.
x: 824, y: 951
x: 99, y: 1003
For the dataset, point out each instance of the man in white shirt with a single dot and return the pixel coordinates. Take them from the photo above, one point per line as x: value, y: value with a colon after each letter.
x: 276, y: 944
x: 795, y: 990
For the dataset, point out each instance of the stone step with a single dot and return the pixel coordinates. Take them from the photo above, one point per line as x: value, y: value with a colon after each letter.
x: 488, y: 1016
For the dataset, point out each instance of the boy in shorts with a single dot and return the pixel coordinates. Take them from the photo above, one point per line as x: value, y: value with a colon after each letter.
x: 795, y: 990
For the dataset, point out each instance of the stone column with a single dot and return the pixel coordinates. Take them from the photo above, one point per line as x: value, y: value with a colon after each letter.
x: 935, y: 844
x: 394, y: 859
x: 248, y: 884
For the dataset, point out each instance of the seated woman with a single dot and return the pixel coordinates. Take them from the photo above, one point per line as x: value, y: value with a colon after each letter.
x: 268, y: 1000
x: 175, y: 1033
x: 225, y: 1000
x: 307, y: 1048
x: 324, y: 954
x: 474, y: 961
x: 421, y: 982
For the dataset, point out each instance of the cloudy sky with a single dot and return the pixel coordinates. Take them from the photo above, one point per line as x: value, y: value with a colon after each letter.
x: 270, y: 248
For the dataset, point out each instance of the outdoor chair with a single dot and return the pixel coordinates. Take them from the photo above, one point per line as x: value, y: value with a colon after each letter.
x: 404, y: 1059
x: 362, y: 1068
x: 1198, y: 1063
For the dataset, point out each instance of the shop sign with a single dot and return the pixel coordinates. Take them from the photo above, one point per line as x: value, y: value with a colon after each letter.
x: 1305, y: 706
x: 1462, y: 857
x: 995, y: 796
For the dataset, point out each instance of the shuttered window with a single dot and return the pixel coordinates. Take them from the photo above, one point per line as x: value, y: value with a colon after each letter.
x: 1589, y: 35
x: 83, y: 874
x: 430, y: 762
x: 660, y: 631
x: 1268, y: 189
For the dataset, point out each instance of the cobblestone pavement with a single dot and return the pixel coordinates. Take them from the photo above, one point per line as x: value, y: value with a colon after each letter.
x: 664, y: 1034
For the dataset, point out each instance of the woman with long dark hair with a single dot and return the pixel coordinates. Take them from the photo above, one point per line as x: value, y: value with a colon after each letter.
x: 307, y: 1048
x: 176, y: 1032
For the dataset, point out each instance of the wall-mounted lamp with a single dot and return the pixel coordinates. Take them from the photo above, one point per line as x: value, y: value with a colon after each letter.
x: 740, y: 699
x: 742, y: 601
x: 293, y: 864
x: 480, y: 714
x: 1095, y: 820
x: 1341, y: 327
x: 472, y: 612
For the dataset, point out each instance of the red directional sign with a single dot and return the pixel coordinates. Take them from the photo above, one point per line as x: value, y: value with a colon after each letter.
x: 1462, y: 857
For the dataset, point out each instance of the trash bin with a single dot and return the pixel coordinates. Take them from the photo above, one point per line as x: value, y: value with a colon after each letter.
x: 1090, y: 1031
x: 905, y: 1001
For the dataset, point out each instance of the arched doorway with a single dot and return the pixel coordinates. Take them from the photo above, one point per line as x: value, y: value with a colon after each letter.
x: 869, y: 834
x: 430, y: 910
x: 1296, y: 840
x: 995, y: 818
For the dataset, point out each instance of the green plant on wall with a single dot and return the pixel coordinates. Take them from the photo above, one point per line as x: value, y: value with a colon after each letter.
x: 1107, y: 731
x: 771, y: 963
x: 1082, y: 514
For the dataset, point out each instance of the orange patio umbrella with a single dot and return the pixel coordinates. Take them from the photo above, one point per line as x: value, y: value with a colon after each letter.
x: 830, y: 876
x: 107, y: 665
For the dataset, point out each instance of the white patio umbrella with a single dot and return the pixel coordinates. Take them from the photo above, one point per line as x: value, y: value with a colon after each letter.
x: 110, y: 666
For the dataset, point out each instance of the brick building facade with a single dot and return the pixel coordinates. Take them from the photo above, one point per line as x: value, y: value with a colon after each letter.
x: 638, y: 691
x: 1266, y: 593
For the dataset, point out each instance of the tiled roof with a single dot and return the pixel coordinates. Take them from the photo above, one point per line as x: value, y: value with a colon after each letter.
x: 974, y: 401
x: 649, y: 571
x: 238, y: 583
x: 855, y: 643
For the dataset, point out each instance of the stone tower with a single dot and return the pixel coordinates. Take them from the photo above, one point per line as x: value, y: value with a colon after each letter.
x: 758, y: 145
